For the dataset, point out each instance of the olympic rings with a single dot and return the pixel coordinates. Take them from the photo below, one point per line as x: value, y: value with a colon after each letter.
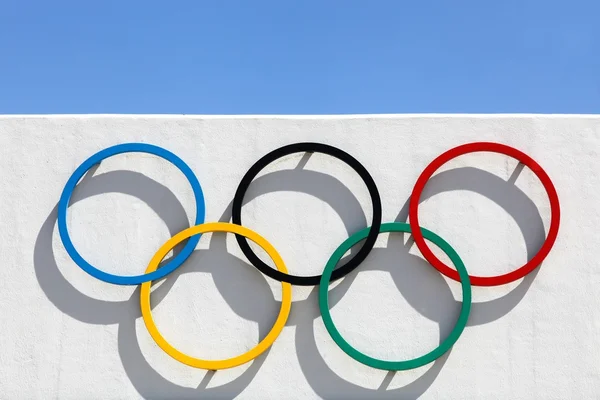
x: 495, y: 148
x: 236, y: 211
x: 395, y: 365
x: 330, y: 273
x: 284, y: 312
x: 63, y: 204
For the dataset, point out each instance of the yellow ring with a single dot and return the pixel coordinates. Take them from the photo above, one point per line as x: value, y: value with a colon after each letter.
x: 284, y: 312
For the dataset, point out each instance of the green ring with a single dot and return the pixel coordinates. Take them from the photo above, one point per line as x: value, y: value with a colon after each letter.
x: 395, y: 365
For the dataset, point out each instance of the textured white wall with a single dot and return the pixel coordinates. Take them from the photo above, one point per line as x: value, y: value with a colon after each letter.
x: 67, y: 335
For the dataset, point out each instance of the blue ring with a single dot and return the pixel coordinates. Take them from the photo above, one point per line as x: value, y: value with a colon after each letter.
x: 63, y: 204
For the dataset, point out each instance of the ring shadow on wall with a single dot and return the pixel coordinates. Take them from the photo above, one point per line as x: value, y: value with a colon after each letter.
x: 69, y: 300
x: 254, y: 302
x: 421, y: 285
x: 516, y: 204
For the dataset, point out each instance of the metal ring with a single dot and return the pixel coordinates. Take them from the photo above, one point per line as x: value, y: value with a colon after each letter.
x: 495, y: 148
x: 395, y: 365
x: 284, y: 312
x: 63, y: 204
x: 354, y: 261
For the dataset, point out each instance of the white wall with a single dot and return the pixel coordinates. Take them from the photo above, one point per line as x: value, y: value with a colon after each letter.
x: 66, y: 335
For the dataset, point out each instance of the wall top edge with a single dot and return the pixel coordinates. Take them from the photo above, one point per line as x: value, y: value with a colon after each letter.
x: 299, y: 116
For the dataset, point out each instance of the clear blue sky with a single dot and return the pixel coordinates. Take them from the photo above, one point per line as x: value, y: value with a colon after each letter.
x: 299, y: 57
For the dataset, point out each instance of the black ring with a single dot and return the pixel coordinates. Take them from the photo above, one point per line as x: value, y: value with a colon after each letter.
x: 309, y: 147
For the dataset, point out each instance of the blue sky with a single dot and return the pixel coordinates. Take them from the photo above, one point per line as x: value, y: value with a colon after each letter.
x: 299, y: 57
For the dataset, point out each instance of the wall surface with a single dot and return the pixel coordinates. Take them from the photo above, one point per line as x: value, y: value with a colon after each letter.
x: 67, y: 335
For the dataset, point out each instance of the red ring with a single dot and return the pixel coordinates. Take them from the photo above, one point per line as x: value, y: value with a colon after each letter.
x: 494, y: 148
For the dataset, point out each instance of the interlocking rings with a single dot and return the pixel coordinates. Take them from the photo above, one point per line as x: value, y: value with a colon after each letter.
x: 330, y: 273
